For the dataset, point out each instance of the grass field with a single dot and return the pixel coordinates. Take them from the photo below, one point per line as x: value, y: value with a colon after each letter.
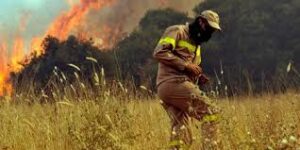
x: 258, y: 123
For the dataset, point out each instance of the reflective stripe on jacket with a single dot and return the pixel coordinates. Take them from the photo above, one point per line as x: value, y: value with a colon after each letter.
x: 174, y: 51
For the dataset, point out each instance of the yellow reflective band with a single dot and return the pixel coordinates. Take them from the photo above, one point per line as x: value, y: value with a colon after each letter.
x: 211, y: 118
x: 186, y: 44
x: 198, y: 52
x: 198, y: 56
x: 168, y: 40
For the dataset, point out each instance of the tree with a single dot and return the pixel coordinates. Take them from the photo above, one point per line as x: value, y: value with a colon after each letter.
x: 58, y: 64
x: 259, y: 39
x: 135, y: 51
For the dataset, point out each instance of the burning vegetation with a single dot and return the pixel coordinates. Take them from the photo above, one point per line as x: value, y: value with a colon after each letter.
x: 62, y: 26
x: 113, y: 33
x: 106, y: 28
x: 63, y: 64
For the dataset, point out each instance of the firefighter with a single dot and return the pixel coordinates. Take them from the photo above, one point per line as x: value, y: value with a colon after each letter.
x: 179, y: 55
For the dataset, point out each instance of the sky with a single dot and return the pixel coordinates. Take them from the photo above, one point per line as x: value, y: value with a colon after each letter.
x: 35, y: 15
x: 31, y: 18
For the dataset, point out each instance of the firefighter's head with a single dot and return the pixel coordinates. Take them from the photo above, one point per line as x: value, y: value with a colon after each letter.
x: 202, y: 28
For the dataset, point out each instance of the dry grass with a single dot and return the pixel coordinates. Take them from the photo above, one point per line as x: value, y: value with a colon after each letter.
x: 115, y: 118
x: 267, y: 122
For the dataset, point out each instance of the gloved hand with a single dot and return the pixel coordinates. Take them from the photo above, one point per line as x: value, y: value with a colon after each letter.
x: 194, y: 69
x: 203, y: 79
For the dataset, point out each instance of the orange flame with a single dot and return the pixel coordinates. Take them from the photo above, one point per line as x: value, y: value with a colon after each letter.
x: 64, y: 24
x: 17, y: 55
x: 61, y: 27
x: 5, y: 87
x: 10, y: 66
x: 110, y: 36
x: 163, y: 2
x: 36, y: 46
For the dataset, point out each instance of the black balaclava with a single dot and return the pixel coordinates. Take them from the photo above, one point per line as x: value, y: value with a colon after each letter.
x: 197, y: 34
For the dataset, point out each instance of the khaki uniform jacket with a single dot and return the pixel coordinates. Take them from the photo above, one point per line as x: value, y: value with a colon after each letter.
x: 174, y: 51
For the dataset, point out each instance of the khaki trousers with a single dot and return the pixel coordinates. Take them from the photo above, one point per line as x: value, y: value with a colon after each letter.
x: 182, y: 99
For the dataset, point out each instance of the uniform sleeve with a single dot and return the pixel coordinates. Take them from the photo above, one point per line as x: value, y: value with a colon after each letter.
x: 164, y: 51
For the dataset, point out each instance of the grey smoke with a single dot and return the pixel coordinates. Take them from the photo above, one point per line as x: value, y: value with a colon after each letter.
x: 125, y: 14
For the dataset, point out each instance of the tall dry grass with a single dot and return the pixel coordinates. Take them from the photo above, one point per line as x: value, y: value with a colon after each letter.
x: 267, y: 122
x: 114, y: 116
